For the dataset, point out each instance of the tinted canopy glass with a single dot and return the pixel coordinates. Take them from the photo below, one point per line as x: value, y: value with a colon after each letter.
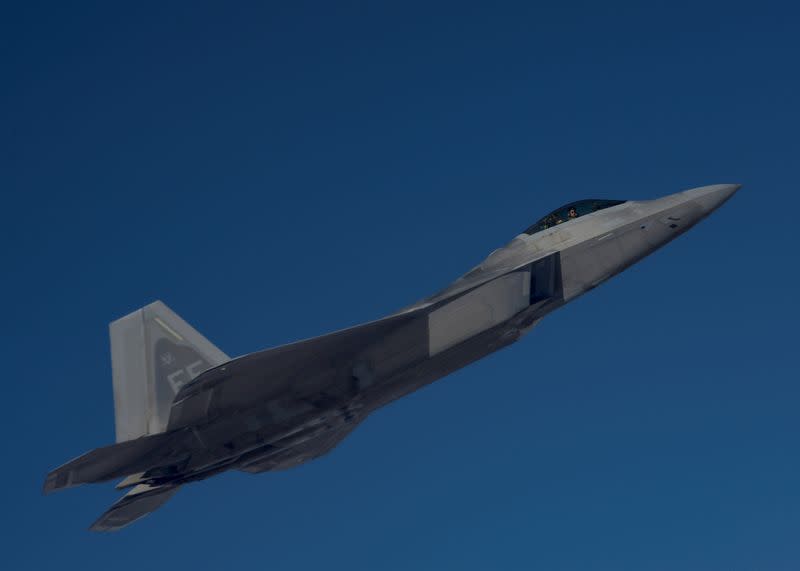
x: 571, y: 211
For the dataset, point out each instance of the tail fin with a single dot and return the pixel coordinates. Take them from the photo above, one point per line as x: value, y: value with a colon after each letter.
x: 153, y: 354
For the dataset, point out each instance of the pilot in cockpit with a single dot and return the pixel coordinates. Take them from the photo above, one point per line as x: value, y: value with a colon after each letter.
x: 572, y: 213
x: 552, y: 220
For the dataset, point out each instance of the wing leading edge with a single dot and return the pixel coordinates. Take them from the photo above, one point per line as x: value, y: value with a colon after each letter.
x: 236, y: 384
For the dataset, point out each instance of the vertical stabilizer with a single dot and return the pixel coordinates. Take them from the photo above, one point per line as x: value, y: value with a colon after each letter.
x: 153, y: 354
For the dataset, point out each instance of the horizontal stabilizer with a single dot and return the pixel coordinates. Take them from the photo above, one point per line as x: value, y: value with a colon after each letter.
x: 114, y: 461
x: 134, y: 505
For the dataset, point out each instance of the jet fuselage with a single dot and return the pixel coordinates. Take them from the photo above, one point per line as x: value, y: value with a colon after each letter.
x: 579, y: 254
x: 185, y: 411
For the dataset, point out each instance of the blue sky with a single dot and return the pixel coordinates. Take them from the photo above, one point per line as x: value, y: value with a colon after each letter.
x: 275, y: 171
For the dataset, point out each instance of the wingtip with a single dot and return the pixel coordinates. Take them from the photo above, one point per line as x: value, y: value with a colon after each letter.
x: 48, y: 486
x: 104, y: 525
x: 54, y: 481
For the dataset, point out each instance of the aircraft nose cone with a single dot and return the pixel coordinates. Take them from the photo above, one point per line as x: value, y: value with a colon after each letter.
x: 712, y: 197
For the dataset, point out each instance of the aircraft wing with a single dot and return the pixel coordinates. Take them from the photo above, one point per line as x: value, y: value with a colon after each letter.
x: 335, y: 360
x: 242, y: 381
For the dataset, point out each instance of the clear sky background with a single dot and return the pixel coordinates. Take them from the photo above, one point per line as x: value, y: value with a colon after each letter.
x: 274, y: 171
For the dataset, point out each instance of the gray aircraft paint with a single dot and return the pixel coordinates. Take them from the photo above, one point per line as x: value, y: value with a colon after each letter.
x: 185, y: 411
x: 153, y: 354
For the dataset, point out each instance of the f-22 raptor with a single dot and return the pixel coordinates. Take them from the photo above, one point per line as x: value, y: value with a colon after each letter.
x: 185, y: 411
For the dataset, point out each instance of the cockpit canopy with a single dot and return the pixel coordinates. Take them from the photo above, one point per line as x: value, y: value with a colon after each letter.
x: 570, y: 211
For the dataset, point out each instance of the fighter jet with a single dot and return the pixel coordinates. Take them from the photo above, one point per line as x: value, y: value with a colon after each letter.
x: 185, y: 411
